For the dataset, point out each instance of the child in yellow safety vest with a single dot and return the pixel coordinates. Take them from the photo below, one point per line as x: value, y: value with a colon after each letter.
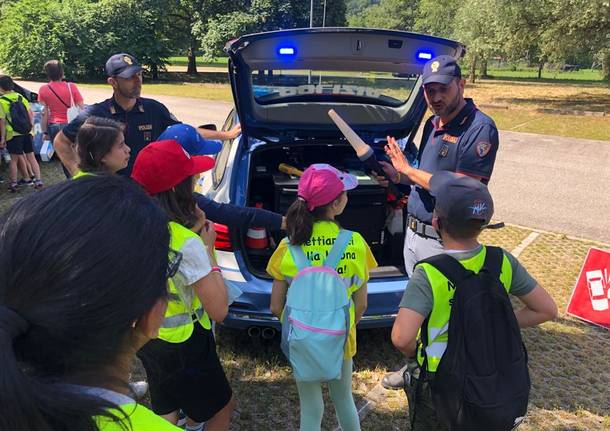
x: 101, y: 147
x: 311, y: 224
x: 94, y: 254
x: 463, y: 208
x: 184, y: 371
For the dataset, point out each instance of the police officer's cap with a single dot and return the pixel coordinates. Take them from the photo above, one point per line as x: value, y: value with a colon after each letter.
x: 442, y: 69
x: 122, y: 65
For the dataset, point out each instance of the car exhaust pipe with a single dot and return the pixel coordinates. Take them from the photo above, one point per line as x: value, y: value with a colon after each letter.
x: 268, y: 333
x: 254, y: 332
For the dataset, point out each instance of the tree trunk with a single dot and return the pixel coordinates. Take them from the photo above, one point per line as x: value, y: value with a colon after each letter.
x: 191, y: 69
x: 483, y: 69
x: 540, y: 66
x: 606, y: 65
x: 154, y: 70
x: 473, y: 68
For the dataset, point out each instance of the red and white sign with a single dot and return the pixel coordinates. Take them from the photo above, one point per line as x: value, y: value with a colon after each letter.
x: 590, y: 299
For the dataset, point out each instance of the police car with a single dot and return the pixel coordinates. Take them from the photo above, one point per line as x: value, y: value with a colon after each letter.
x: 284, y: 83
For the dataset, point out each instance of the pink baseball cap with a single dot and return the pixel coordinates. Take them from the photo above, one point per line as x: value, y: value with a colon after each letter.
x: 320, y: 184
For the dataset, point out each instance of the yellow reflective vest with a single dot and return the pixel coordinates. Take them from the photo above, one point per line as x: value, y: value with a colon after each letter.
x: 442, y: 295
x: 182, y: 310
x: 138, y: 418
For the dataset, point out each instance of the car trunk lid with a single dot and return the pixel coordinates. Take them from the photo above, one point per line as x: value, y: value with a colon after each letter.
x: 285, y: 82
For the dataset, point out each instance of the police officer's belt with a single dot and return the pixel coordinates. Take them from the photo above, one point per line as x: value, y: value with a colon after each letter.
x: 420, y: 228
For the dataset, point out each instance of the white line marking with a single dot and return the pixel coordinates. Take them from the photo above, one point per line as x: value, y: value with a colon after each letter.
x: 527, y: 241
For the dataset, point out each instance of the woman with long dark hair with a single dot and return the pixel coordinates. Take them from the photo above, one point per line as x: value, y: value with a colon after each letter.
x: 83, y: 286
x: 101, y: 147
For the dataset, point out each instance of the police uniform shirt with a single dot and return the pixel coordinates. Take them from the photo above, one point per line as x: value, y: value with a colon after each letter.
x: 143, y: 123
x: 467, y: 144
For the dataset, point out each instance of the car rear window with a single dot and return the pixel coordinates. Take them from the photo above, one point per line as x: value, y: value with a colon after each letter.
x: 378, y: 88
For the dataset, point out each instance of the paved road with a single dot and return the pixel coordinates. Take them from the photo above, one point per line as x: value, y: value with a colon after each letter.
x: 544, y: 182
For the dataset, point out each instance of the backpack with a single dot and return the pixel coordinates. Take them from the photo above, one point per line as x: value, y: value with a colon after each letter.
x: 482, y: 381
x: 18, y: 116
x: 317, y: 316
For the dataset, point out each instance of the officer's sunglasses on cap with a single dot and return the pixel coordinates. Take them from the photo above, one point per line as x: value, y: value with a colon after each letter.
x: 175, y: 258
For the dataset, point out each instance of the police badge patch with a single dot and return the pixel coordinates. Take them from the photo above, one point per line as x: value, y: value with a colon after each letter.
x: 483, y: 148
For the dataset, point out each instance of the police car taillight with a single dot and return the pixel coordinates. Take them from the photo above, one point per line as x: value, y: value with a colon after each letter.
x: 223, y: 239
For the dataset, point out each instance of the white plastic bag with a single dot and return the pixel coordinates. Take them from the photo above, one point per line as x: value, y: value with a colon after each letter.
x: 73, y: 111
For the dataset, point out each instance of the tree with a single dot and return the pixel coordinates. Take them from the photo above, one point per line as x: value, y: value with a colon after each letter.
x: 261, y: 16
x: 475, y: 24
x: 29, y: 35
x: 435, y: 17
x: 390, y: 14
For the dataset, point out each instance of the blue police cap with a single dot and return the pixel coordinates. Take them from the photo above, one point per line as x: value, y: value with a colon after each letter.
x: 441, y: 69
x: 460, y: 198
x: 190, y: 139
x: 122, y: 65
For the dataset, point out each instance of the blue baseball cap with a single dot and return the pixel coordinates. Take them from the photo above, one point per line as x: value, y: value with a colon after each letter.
x: 190, y: 139
x: 122, y: 65
x: 442, y: 69
x: 460, y: 198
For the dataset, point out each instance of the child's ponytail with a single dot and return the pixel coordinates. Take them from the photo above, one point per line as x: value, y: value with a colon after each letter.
x: 299, y: 222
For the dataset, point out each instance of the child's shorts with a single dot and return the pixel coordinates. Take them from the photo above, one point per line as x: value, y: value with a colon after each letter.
x: 20, y: 144
x: 187, y: 376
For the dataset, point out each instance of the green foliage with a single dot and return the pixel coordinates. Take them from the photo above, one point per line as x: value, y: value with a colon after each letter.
x: 391, y: 14
x: 261, y: 16
x: 82, y: 34
x: 30, y: 33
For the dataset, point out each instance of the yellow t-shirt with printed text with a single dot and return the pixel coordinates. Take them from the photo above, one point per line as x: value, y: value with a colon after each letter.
x: 355, y: 264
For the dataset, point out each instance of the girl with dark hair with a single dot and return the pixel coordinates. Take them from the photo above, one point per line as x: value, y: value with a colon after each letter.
x: 101, y: 147
x: 83, y: 286
x: 310, y: 223
x: 183, y: 369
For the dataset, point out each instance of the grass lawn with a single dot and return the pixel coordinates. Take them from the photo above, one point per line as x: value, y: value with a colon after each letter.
x: 547, y: 75
x: 183, y: 61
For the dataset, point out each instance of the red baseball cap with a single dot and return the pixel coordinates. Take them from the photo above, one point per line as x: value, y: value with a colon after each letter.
x: 162, y: 165
x: 320, y: 184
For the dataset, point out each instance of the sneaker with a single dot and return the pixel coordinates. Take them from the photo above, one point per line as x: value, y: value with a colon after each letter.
x: 1, y: 180
x: 13, y: 187
x: 139, y: 389
x: 24, y: 182
x: 38, y: 184
x: 181, y: 419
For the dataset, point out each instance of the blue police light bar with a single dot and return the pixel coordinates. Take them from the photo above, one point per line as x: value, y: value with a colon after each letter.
x: 287, y: 50
x: 424, y: 55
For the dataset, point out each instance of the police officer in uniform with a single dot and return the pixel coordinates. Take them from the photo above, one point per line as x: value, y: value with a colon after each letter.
x: 144, y: 119
x: 457, y: 138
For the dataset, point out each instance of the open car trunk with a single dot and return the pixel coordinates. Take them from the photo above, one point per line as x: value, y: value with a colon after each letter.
x: 368, y: 210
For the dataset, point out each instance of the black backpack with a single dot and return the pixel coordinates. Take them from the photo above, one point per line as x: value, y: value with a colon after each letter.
x: 482, y: 382
x: 18, y: 116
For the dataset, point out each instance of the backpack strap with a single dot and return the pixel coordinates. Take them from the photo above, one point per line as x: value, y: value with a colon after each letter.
x: 494, y: 257
x: 449, y: 267
x: 341, y: 242
x: 299, y: 258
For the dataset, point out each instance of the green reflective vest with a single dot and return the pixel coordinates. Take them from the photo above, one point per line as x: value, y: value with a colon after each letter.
x: 182, y: 309
x: 442, y: 295
x: 139, y: 417
x: 80, y: 174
